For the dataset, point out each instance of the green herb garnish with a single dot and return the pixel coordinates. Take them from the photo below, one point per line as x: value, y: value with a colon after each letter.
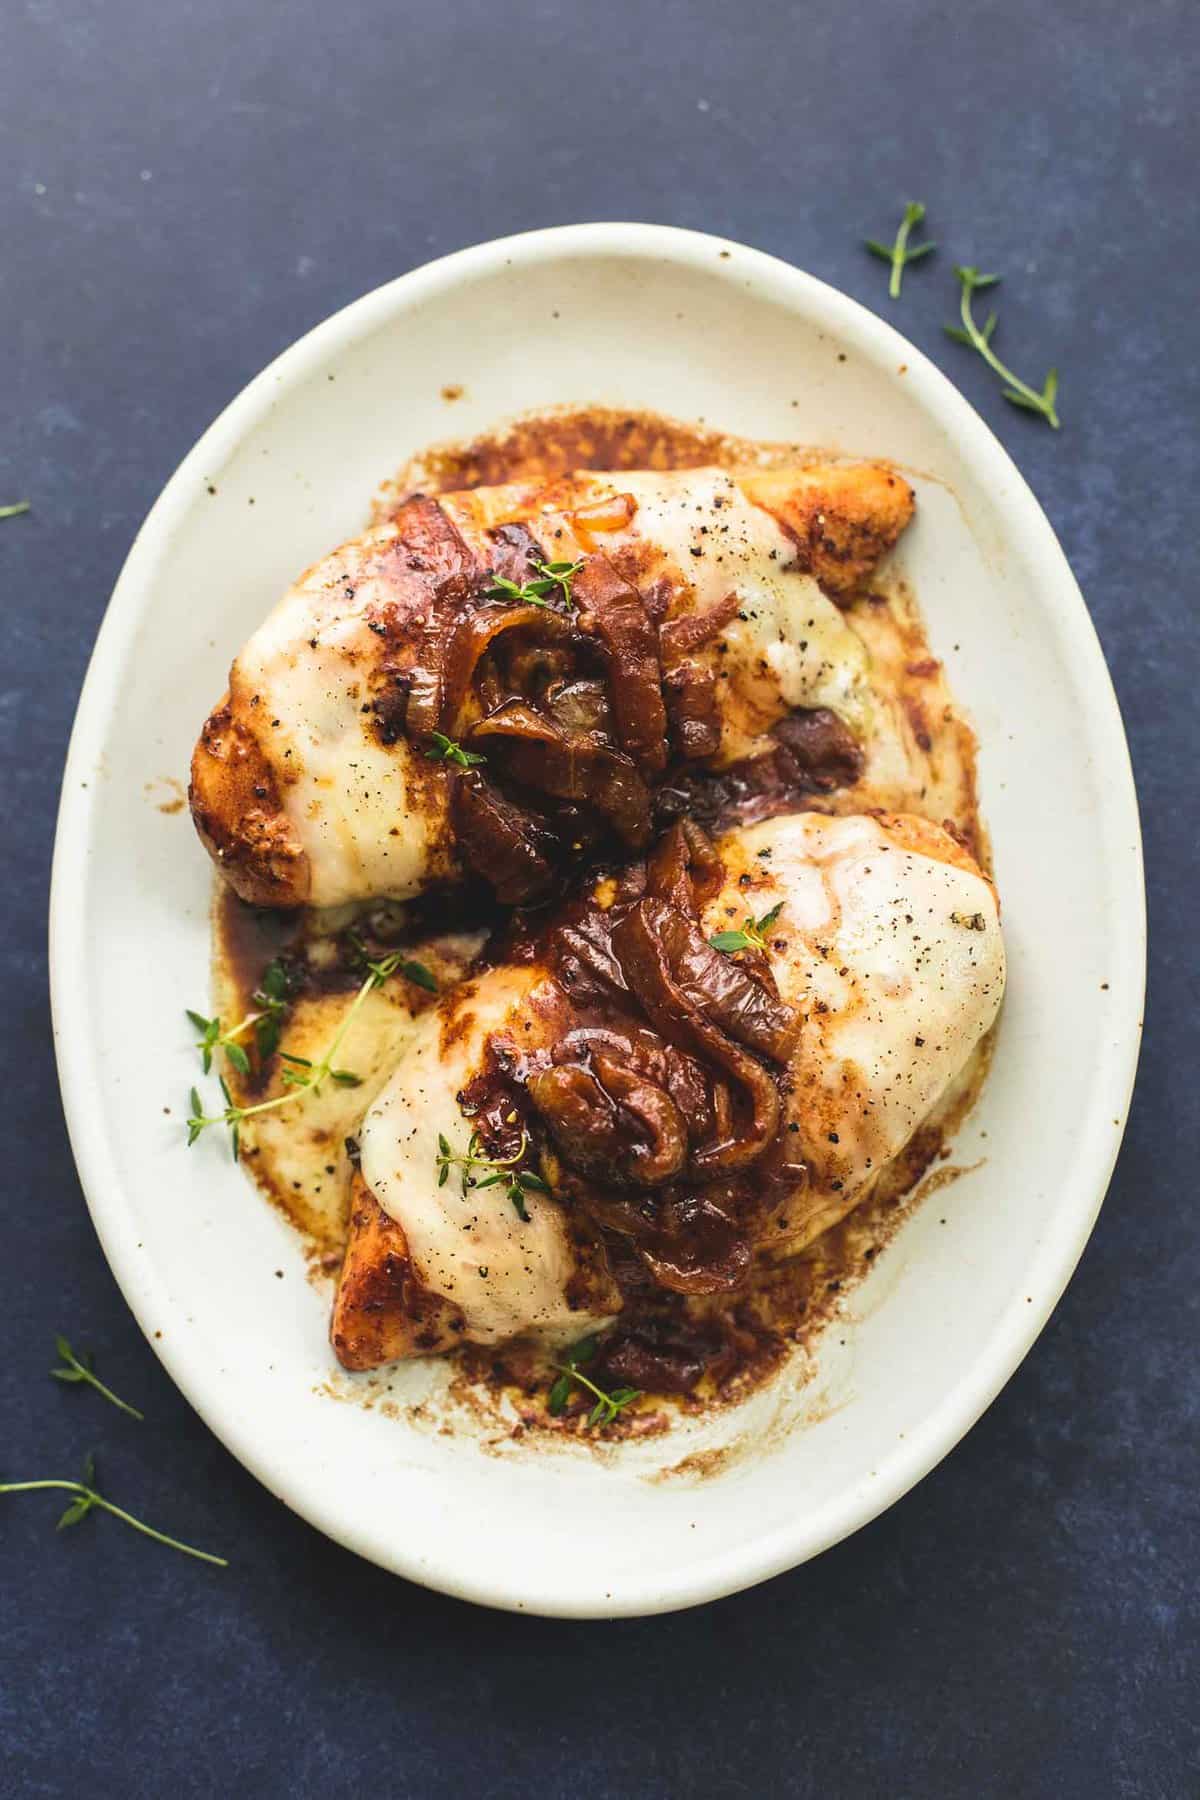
x: 550, y: 575
x: 86, y: 1498
x: 445, y: 749
x: 417, y: 973
x: 270, y: 1002
x: 607, y: 1405
x: 500, y: 1170
x: 976, y: 337
x: 900, y: 254
x: 301, y: 1076
x: 80, y: 1369
x: 14, y: 511
x: 408, y: 966
x: 751, y: 936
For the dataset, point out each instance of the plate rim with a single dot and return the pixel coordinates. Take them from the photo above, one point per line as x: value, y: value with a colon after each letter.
x: 737, y: 1566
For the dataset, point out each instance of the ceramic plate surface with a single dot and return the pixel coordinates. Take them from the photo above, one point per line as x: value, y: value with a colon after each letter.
x: 640, y: 317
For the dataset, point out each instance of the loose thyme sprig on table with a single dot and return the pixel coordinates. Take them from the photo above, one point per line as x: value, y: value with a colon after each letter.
x: 607, y: 1406
x: 900, y: 253
x: 750, y: 936
x: 536, y: 593
x: 500, y: 1169
x: 302, y: 1076
x: 15, y: 510
x: 75, y: 1369
x: 86, y: 1498
x: 979, y: 337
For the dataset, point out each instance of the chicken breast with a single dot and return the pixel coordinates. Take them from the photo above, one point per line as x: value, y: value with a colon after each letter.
x: 413, y: 709
x: 695, y: 1107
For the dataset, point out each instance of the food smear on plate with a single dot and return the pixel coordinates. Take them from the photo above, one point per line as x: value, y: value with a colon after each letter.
x: 629, y: 737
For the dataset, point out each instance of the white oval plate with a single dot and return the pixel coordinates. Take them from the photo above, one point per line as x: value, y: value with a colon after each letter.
x: 637, y: 316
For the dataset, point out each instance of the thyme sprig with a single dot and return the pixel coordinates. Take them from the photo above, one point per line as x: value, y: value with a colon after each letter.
x: 79, y: 1369
x: 550, y: 575
x: 901, y: 253
x: 15, y: 510
x: 270, y: 1004
x: 87, y: 1498
x: 607, y: 1406
x: 446, y: 749
x: 979, y: 337
x: 501, y: 1170
x: 750, y: 936
x: 397, y: 964
x: 301, y: 1076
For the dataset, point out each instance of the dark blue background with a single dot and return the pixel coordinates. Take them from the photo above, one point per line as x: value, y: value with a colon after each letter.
x: 186, y: 186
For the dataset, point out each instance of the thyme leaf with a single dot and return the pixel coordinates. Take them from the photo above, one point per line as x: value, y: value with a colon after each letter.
x: 87, y: 1498
x: 550, y: 575
x: 270, y: 1004
x: 749, y: 936
x: 446, y: 749
x: 979, y: 337
x: 900, y: 253
x: 570, y: 1372
x: 79, y: 1369
x: 301, y: 1076
x: 499, y: 1170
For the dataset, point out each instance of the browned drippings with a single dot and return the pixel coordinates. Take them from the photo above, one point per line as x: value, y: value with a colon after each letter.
x: 176, y: 794
x: 303, y: 1162
x: 545, y: 445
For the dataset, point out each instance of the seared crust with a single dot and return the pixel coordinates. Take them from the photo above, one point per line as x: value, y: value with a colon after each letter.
x: 909, y: 831
x: 235, y: 804
x: 381, y: 1312
x: 841, y: 517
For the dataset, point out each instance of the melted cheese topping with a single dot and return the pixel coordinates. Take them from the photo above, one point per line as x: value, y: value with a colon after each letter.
x: 372, y: 817
x: 888, y: 943
x: 789, y: 645
x: 469, y: 1247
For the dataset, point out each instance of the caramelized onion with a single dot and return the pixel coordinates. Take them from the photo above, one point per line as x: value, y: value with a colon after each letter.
x: 814, y: 752
x: 611, y: 609
x: 683, y: 968
x: 683, y: 636
x: 694, y: 1009
x: 581, y: 706
x: 648, y: 1358
x: 690, y: 686
x: 691, y: 695
x: 697, y: 1249
x: 684, y: 868
x: 435, y: 565
x: 820, y: 750
x: 659, y: 1150
x: 471, y: 639
x: 507, y: 846
x: 584, y: 958
x: 569, y: 765
x: 610, y: 1119
x: 578, y: 1114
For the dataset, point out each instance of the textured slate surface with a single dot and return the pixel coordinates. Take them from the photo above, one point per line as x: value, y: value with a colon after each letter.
x: 185, y: 188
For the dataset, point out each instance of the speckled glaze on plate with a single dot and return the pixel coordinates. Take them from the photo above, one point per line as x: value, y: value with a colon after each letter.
x: 626, y: 316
